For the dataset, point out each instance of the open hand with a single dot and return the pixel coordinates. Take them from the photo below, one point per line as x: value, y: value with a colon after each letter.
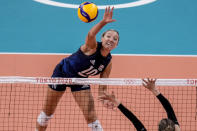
x: 109, y: 100
x: 149, y: 83
x: 107, y: 17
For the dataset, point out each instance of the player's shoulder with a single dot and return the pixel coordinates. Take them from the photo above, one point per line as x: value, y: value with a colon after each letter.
x: 99, y: 44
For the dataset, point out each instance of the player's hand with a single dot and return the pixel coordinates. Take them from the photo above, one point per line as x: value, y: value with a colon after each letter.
x: 107, y: 17
x: 149, y: 83
x: 109, y: 100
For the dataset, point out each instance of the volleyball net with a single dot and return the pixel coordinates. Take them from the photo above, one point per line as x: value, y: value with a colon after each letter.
x: 22, y: 99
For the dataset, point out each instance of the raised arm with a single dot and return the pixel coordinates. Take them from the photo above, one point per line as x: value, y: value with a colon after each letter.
x: 91, y: 37
x: 150, y: 85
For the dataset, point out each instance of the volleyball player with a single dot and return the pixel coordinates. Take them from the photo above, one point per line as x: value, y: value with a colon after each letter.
x: 92, y: 58
x: 166, y: 124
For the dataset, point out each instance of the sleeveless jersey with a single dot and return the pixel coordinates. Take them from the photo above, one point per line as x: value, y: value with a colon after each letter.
x: 81, y: 65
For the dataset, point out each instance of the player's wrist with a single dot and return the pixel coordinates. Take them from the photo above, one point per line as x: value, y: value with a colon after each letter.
x: 117, y: 103
x: 103, y: 22
x: 155, y: 91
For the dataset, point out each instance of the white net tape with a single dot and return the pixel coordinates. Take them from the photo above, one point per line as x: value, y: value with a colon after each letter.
x: 99, y: 81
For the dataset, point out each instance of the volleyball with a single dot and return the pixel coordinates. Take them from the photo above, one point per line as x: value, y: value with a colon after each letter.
x: 87, y: 12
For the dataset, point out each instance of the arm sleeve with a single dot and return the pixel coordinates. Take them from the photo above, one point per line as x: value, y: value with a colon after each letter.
x: 138, y: 125
x: 168, y: 108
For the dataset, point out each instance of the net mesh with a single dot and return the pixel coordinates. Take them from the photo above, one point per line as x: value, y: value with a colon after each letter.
x: 22, y: 101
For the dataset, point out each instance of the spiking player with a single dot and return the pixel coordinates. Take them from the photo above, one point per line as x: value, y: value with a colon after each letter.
x: 91, y: 59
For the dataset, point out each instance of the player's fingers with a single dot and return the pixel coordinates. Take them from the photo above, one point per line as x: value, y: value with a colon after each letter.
x: 145, y: 81
x: 154, y: 79
x: 105, y: 10
x: 151, y: 81
x: 148, y: 79
x: 103, y: 97
x: 112, y: 8
x: 108, y: 8
x: 100, y: 98
x: 111, y: 12
x: 105, y: 94
x: 144, y: 85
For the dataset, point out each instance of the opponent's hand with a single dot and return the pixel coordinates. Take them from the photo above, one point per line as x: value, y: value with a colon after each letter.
x: 149, y: 83
x: 107, y: 17
x: 109, y: 100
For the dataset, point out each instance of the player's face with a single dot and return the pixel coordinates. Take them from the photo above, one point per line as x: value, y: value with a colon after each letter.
x: 110, y: 40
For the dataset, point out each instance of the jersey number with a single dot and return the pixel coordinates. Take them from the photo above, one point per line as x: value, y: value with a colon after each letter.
x: 90, y: 71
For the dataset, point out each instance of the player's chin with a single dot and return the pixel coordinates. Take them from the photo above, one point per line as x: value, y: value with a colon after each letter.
x: 109, y: 48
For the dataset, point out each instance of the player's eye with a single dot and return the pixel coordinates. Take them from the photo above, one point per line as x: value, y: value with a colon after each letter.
x: 115, y: 39
x: 108, y: 36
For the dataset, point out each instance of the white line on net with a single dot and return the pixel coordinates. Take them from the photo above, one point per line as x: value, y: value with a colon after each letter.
x: 98, y: 81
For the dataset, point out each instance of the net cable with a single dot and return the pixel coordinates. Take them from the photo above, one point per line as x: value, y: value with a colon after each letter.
x: 99, y: 81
